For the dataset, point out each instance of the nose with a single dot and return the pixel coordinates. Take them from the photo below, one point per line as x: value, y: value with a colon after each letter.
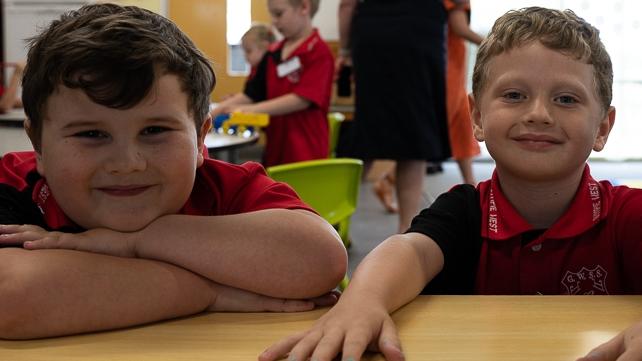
x: 538, y: 112
x: 124, y: 159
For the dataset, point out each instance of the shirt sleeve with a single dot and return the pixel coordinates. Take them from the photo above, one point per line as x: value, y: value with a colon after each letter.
x: 316, y: 79
x: 628, y: 237
x: 256, y: 84
x: 261, y: 192
x: 16, y: 207
x: 453, y: 221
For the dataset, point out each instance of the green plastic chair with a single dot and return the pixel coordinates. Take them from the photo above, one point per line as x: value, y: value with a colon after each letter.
x: 334, y: 123
x: 330, y: 186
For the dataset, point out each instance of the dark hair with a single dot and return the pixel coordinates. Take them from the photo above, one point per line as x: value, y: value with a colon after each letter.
x: 114, y: 54
x: 560, y: 30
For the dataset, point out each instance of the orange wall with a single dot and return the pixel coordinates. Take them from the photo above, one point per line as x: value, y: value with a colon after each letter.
x: 205, y: 23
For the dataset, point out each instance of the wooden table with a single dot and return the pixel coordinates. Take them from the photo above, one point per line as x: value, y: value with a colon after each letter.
x: 441, y: 328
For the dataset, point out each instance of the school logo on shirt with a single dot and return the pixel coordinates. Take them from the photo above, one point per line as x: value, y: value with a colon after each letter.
x: 586, y: 281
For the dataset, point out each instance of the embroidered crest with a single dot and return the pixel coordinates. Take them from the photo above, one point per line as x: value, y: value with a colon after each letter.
x: 586, y: 281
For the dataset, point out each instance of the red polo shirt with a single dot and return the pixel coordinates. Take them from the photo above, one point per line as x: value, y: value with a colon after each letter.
x: 595, y: 247
x: 301, y: 135
x: 220, y: 188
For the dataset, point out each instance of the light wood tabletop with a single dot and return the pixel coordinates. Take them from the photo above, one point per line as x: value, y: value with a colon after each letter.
x: 431, y: 328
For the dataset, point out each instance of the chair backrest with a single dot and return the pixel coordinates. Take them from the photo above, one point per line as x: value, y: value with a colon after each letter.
x: 330, y: 186
x: 334, y: 124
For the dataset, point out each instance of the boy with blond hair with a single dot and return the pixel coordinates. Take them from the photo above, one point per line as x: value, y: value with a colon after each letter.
x: 294, y: 88
x: 542, y: 225
x: 116, y: 219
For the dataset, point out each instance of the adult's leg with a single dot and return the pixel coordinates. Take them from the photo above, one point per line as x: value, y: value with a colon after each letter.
x: 410, y: 180
x: 466, y: 169
x: 384, y: 188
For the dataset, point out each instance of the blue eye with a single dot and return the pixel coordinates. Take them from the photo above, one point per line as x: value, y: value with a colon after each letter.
x: 513, y: 95
x: 567, y: 99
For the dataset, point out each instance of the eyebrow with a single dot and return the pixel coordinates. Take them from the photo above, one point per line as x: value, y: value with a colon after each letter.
x: 96, y: 123
x: 80, y: 124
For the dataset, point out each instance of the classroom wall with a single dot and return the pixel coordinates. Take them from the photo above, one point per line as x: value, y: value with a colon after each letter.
x: 326, y: 20
x: 205, y: 23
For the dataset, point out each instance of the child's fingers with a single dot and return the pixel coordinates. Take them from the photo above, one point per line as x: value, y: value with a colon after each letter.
x: 389, y: 343
x: 329, y: 346
x: 18, y: 234
x: 608, y: 351
x: 355, y: 343
x: 327, y: 299
x: 304, y: 348
x: 17, y: 228
x: 280, y: 349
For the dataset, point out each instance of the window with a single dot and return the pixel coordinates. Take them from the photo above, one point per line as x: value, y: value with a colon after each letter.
x: 239, y: 19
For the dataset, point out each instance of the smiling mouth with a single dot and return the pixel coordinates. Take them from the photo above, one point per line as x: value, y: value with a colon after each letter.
x: 124, y: 191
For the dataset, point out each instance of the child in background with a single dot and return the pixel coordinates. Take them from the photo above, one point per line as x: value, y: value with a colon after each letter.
x: 9, y: 96
x: 541, y: 99
x: 255, y: 43
x: 294, y: 89
x: 116, y: 219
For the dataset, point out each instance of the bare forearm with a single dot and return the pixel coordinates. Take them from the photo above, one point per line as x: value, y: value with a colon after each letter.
x: 230, y: 103
x: 284, y: 104
x: 48, y: 293
x: 346, y: 11
x: 459, y: 24
x: 277, y: 252
x: 396, y: 271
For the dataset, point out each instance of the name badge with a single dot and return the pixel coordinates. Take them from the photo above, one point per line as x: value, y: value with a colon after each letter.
x: 288, y: 67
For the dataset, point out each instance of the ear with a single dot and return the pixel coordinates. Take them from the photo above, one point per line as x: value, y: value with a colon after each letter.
x: 604, y: 129
x: 39, y: 165
x: 205, y: 128
x: 475, y: 115
x: 306, y: 7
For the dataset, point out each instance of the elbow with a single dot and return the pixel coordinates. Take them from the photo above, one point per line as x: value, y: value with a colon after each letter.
x: 13, y: 325
x: 334, y: 264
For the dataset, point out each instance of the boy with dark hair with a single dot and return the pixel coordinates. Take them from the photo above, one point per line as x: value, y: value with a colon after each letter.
x: 542, y: 225
x: 120, y: 218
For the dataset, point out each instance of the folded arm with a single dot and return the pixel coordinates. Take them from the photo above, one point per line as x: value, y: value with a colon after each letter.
x: 58, y: 292
x: 275, y: 252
